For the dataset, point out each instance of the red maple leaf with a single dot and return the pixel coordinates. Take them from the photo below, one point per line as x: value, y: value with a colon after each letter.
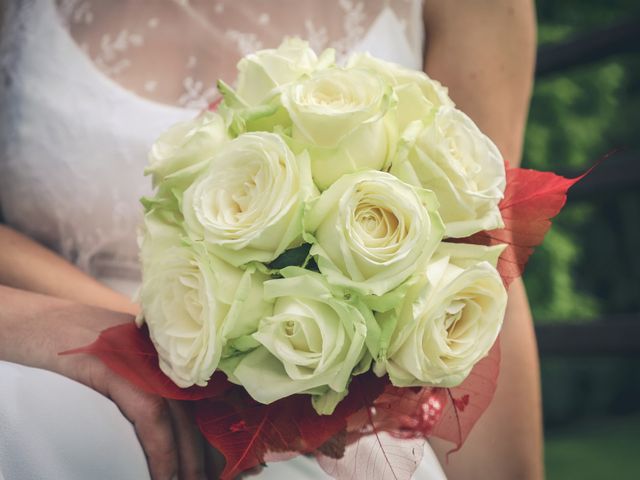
x: 531, y: 200
x: 244, y: 431
x: 128, y: 351
x: 248, y: 433
x: 386, y: 436
x: 466, y: 403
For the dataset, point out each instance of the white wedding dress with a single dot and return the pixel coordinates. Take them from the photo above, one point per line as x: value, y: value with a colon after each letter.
x: 85, y: 88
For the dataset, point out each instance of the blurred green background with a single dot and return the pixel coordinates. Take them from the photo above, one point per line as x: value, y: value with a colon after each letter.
x: 588, y: 267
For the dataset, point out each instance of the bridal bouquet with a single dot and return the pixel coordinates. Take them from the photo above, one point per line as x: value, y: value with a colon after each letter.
x: 325, y: 262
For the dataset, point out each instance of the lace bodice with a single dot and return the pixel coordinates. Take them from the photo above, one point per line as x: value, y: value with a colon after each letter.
x: 199, y: 41
x: 87, y: 85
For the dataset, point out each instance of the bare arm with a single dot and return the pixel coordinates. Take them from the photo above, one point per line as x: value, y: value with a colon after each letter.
x: 35, y: 328
x: 27, y: 265
x: 484, y: 51
x: 63, y: 314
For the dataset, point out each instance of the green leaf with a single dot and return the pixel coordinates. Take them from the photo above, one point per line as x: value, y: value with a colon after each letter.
x: 295, y: 257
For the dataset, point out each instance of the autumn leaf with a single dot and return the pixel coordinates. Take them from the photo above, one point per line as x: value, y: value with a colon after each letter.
x: 531, y: 200
x: 129, y: 352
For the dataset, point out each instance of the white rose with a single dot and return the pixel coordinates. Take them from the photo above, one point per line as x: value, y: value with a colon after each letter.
x: 185, y: 148
x: 262, y: 72
x: 338, y: 115
x: 193, y: 302
x: 452, y: 157
x: 372, y: 231
x: 311, y: 344
x: 417, y: 93
x: 249, y: 205
x: 449, y: 319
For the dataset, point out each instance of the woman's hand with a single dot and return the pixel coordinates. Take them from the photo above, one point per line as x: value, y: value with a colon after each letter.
x: 35, y: 328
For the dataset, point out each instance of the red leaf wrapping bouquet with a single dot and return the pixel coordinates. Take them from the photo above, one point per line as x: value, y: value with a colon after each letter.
x: 325, y: 262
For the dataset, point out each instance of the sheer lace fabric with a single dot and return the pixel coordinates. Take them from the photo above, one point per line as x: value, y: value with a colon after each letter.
x: 173, y: 51
x: 87, y: 85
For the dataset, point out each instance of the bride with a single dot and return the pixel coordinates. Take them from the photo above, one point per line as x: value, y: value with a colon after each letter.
x: 86, y: 86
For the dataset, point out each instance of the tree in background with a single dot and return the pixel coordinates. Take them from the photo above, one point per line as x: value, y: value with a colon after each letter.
x: 588, y: 264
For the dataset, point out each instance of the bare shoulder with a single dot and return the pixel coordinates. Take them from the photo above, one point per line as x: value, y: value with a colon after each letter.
x: 492, y: 12
x: 484, y: 52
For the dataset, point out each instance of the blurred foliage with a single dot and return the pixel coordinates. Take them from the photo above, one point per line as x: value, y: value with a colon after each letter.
x: 580, y: 388
x: 588, y: 264
x: 596, y: 450
x: 580, y: 15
